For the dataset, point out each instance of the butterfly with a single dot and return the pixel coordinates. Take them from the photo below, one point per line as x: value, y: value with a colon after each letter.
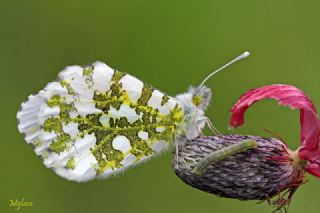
x: 95, y: 121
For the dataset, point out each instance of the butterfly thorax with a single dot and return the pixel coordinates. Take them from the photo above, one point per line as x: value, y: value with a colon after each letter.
x: 193, y: 103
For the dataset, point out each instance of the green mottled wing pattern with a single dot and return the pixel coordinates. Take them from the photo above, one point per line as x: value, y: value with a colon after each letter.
x: 95, y: 121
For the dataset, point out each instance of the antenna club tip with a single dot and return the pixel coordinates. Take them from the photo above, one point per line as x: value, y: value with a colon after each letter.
x: 245, y: 54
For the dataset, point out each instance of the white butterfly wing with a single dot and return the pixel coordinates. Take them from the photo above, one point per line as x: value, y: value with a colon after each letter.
x: 95, y: 121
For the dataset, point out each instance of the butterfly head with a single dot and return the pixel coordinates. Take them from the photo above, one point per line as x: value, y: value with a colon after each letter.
x: 201, y: 96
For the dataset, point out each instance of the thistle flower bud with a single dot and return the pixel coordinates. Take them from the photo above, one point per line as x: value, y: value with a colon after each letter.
x: 268, y: 171
x: 255, y: 174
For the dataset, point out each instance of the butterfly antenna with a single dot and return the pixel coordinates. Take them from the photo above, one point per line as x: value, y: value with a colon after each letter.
x: 242, y: 56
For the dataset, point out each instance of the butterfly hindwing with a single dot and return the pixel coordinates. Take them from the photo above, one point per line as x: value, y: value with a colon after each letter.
x: 95, y: 121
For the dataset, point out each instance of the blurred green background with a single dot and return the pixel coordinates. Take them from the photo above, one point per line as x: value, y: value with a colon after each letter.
x: 172, y: 45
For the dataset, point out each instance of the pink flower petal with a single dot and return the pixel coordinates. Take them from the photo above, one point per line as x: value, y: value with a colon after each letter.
x: 313, y: 168
x: 293, y: 97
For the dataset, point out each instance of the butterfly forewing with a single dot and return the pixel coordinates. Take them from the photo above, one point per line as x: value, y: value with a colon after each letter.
x: 95, y: 121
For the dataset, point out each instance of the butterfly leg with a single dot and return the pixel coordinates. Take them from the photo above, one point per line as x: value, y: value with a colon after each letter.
x: 177, y: 154
x: 200, y: 133
x: 177, y: 151
x: 179, y: 144
x: 211, y: 126
x: 223, y: 153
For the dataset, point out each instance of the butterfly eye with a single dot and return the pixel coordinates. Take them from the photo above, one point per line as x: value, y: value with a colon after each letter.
x: 197, y: 99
